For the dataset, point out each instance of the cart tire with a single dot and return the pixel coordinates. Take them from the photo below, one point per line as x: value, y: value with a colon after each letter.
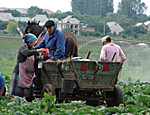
x: 116, y: 97
x: 49, y: 88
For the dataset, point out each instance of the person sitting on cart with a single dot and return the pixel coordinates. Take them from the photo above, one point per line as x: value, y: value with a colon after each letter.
x: 54, y: 40
x: 111, y: 51
x: 2, y: 86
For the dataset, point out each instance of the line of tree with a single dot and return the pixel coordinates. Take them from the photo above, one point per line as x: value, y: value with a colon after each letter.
x: 129, y: 8
x: 92, y: 7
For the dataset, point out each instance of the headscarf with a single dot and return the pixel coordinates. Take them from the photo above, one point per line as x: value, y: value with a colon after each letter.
x: 28, y: 38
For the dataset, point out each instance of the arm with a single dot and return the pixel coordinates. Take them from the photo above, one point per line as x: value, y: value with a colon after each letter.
x: 60, y: 45
x: 122, y: 55
x: 102, y: 55
x: 42, y: 44
x: 27, y: 52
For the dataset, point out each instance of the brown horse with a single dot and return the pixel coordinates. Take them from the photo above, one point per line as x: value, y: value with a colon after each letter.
x: 71, y: 47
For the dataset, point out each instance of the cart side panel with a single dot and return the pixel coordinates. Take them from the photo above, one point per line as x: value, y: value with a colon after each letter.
x: 49, y: 74
x: 93, y: 74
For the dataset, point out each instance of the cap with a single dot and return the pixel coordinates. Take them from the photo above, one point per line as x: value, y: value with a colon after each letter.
x: 49, y: 23
x: 104, y: 39
x: 29, y: 38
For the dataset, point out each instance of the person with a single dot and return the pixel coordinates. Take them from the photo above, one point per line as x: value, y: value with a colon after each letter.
x: 2, y: 86
x: 54, y: 40
x: 23, y: 73
x: 111, y: 51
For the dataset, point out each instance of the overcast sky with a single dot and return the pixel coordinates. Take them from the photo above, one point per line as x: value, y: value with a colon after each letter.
x: 53, y: 5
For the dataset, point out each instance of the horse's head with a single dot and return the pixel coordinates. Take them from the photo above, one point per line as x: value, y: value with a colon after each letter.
x: 34, y: 28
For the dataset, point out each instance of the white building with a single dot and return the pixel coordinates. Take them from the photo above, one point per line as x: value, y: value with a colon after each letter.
x: 115, y: 27
x: 72, y: 23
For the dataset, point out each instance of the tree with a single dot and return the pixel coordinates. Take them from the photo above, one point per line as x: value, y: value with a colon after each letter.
x: 131, y: 7
x: 92, y: 7
x: 33, y: 10
x: 12, y: 27
x: 3, y: 25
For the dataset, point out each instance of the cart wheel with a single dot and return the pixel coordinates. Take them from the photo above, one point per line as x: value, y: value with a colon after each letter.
x: 115, y: 97
x: 48, y: 88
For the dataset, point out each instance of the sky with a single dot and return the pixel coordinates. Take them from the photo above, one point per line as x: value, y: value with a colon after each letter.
x: 53, y: 5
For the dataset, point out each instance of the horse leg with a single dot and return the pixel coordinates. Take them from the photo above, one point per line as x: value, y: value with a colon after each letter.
x: 69, y: 48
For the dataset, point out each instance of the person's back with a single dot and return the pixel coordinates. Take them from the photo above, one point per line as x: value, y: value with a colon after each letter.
x: 111, y: 51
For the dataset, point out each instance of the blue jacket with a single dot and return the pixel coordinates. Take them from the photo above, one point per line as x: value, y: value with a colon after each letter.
x: 2, y: 83
x: 56, y: 44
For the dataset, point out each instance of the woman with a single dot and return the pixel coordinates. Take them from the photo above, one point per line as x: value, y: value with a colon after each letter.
x: 23, y: 73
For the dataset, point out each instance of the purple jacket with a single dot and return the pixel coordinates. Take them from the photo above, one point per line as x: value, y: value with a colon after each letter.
x: 108, y: 51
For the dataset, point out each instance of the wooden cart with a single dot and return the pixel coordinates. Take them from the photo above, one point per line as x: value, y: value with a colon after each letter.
x: 82, y: 79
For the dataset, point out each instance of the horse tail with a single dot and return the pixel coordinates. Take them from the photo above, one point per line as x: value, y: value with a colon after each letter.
x: 70, y: 47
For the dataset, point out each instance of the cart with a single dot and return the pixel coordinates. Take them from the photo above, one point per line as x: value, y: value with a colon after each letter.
x: 82, y: 79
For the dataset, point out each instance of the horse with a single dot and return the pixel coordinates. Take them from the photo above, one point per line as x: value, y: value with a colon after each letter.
x: 71, y: 46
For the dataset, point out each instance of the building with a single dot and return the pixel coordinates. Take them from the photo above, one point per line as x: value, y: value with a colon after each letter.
x: 22, y: 19
x: 6, y: 17
x: 115, y: 27
x: 40, y: 18
x: 147, y: 25
x: 24, y: 10
x: 88, y: 29
x: 71, y: 23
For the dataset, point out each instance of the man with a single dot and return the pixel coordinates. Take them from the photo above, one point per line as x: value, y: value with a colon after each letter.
x: 111, y: 51
x: 54, y: 40
x: 2, y: 86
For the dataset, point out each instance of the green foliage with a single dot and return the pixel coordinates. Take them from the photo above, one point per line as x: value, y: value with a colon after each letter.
x: 3, y: 25
x: 92, y: 7
x: 136, y: 101
x: 48, y: 102
x: 60, y: 15
x: 12, y: 27
x: 131, y: 7
x: 34, y: 10
x: 86, y: 33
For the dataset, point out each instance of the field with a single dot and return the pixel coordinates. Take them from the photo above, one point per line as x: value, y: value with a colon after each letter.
x: 134, y: 81
x: 137, y: 53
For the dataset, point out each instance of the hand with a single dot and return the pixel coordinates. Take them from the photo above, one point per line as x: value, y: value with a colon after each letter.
x: 49, y: 60
x: 41, y: 50
x: 41, y: 57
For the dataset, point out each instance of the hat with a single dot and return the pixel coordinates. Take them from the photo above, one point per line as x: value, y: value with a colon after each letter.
x: 104, y: 39
x: 29, y: 38
x: 49, y: 23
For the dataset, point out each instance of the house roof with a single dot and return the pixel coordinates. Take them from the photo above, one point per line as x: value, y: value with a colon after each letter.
x: 71, y: 20
x: 54, y: 19
x: 6, y: 16
x: 147, y: 23
x: 41, y: 18
x: 24, y: 10
x: 115, y: 27
x: 22, y: 19
x: 138, y: 24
